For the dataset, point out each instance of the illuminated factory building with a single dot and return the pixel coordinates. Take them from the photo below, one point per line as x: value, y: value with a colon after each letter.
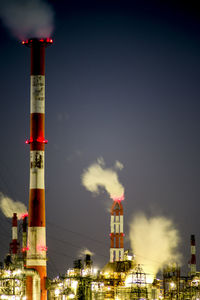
x: 24, y: 275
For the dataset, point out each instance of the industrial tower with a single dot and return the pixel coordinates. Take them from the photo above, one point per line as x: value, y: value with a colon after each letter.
x: 36, y: 248
x: 116, y: 232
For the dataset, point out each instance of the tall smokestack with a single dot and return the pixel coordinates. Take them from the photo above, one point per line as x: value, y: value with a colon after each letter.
x: 117, y: 232
x: 14, y: 245
x: 36, y: 254
x: 193, y: 256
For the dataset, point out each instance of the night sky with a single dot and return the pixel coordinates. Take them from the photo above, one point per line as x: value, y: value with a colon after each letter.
x: 122, y: 83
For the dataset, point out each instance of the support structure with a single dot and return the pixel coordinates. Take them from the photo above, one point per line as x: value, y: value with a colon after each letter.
x: 36, y: 253
x: 116, y: 232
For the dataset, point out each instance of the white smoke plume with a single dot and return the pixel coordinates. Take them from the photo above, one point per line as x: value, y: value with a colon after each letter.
x: 27, y: 18
x: 154, y: 242
x: 8, y: 207
x: 84, y: 251
x: 97, y: 176
x: 118, y: 165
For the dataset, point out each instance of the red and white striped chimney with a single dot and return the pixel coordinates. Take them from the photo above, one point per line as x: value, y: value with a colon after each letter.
x: 14, y: 245
x: 36, y: 254
x: 193, y: 256
x: 117, y: 232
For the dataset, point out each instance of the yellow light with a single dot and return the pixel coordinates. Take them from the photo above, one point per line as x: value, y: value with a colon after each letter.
x: 74, y: 284
x: 17, y: 272
x: 172, y: 285
x: 149, y: 278
x: 57, y: 292
x: 95, y: 270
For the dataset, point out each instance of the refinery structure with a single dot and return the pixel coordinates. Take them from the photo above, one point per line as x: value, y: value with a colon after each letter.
x: 24, y: 274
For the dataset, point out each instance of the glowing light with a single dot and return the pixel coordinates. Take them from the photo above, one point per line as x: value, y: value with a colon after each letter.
x: 29, y: 141
x: 121, y: 198
x: 24, y: 249
x: 57, y: 292
x: 172, y: 285
x: 39, y: 140
x: 74, y: 285
x: 95, y: 270
x: 17, y: 272
x: 23, y: 215
x: 149, y: 278
x: 42, y: 140
x: 41, y: 248
x: 71, y: 296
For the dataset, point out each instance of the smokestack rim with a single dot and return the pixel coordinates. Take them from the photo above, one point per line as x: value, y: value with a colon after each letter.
x: 38, y: 41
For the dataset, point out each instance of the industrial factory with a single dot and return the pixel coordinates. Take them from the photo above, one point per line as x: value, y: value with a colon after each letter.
x: 24, y: 275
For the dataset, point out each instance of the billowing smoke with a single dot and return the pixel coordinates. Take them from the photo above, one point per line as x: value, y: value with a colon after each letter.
x: 27, y: 18
x: 154, y: 242
x: 97, y: 176
x: 83, y: 252
x: 118, y: 165
x: 8, y: 207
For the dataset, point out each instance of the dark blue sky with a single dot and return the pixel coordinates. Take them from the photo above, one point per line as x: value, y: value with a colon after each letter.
x: 122, y: 82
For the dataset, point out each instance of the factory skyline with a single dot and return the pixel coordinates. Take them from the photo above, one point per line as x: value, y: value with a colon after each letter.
x: 123, y: 85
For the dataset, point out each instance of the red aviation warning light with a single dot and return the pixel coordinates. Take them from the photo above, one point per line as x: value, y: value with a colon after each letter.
x: 39, y: 140
x: 23, y: 216
x: 45, y: 41
x: 121, y: 198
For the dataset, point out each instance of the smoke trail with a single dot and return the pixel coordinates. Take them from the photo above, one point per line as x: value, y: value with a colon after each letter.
x: 27, y: 18
x: 97, y: 176
x: 8, y: 207
x: 154, y: 242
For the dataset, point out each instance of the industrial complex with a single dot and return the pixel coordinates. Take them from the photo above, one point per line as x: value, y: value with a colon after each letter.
x: 24, y: 275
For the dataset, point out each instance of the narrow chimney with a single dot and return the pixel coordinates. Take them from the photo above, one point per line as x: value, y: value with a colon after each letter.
x: 14, y: 245
x: 24, y: 237
x: 117, y: 232
x: 193, y: 256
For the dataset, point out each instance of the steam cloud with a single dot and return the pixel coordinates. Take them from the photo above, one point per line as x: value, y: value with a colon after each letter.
x: 27, y: 18
x: 8, y: 207
x: 155, y: 241
x: 97, y: 176
x: 85, y: 251
x: 118, y: 165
